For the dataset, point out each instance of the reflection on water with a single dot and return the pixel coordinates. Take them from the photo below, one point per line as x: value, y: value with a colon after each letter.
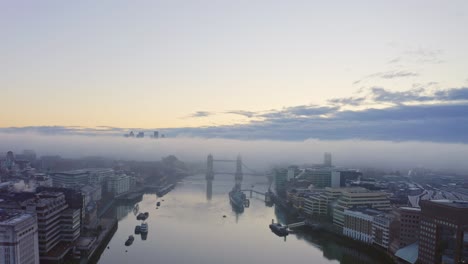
x: 209, y: 189
x: 196, y: 224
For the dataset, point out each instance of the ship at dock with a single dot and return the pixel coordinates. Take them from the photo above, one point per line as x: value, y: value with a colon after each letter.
x: 237, y: 198
x: 279, y: 229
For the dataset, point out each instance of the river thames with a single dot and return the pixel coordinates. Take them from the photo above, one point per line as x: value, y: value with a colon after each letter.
x: 189, y: 227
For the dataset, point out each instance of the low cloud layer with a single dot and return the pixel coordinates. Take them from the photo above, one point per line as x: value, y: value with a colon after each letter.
x: 257, y: 154
x: 420, y: 114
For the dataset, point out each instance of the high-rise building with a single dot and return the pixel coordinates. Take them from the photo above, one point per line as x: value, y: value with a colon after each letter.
x: 443, y: 234
x: 281, y: 180
x: 156, y: 134
x: 19, y: 238
x: 327, y: 159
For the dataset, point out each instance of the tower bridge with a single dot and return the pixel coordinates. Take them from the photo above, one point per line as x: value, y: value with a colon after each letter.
x: 238, y: 173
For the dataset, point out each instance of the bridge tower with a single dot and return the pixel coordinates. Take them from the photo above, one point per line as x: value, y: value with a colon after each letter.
x: 209, y: 168
x: 238, y: 175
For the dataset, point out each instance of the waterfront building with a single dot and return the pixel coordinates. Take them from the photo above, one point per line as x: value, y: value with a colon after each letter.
x: 443, y: 235
x: 281, y: 180
x: 322, y: 201
x: 358, y: 197
x: 18, y: 238
x: 73, y: 178
x: 315, y: 204
x: 118, y: 184
x: 297, y: 197
x: 357, y: 223
x: 381, y: 230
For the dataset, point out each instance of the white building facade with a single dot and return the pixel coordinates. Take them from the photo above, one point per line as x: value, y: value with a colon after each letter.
x: 18, y: 238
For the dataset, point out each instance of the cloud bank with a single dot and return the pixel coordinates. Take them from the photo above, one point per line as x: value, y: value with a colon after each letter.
x: 420, y: 114
x: 257, y: 154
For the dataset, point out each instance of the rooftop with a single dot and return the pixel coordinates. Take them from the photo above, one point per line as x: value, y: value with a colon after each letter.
x: 12, y: 217
x: 452, y: 203
x: 366, y: 210
x: 408, y: 253
x: 411, y: 208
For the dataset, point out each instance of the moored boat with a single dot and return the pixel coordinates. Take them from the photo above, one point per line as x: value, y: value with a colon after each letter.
x: 279, y: 229
x: 237, y: 198
x: 129, y: 240
x: 144, y: 228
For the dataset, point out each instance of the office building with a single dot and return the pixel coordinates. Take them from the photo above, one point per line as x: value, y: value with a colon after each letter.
x: 381, y: 230
x: 358, y: 197
x: 70, y: 178
x: 58, y: 224
x: 315, y: 204
x: 118, y: 184
x: 443, y: 234
x: 349, y: 175
x: 321, y: 177
x: 281, y: 181
x: 357, y: 223
x: 19, y: 238
x: 409, y: 225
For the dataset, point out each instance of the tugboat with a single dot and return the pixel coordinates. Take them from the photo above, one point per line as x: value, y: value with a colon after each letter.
x: 144, y: 228
x: 137, y: 230
x: 129, y: 240
x: 158, y: 203
x: 279, y: 229
x: 237, y: 198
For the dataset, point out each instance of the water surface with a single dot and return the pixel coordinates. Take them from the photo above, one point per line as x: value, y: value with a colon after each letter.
x: 189, y: 227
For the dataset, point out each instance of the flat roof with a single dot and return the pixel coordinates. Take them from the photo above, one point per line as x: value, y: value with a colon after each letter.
x: 12, y: 218
x: 411, y: 208
x: 409, y: 253
x: 365, y: 210
x: 452, y: 203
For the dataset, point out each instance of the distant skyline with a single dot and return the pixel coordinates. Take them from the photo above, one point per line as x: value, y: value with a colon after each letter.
x: 289, y: 70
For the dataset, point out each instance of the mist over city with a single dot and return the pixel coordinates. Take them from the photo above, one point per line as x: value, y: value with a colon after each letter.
x: 261, y: 154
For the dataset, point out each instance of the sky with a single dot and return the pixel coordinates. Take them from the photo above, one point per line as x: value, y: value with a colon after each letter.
x: 268, y: 70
